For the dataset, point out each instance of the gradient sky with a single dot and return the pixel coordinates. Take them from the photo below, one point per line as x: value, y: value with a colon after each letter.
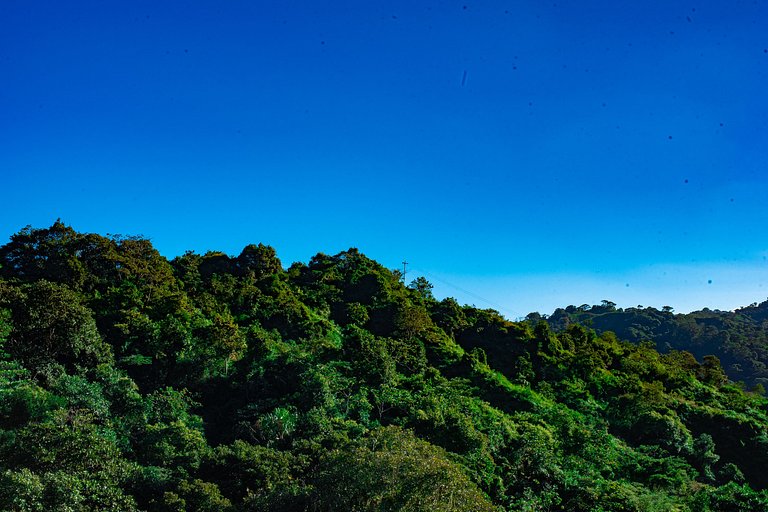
x: 521, y: 155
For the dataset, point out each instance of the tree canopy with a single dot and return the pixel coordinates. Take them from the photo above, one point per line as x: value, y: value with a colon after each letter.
x: 214, y: 382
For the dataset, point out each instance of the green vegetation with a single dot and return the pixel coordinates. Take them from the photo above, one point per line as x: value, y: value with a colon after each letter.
x: 738, y: 339
x: 219, y: 383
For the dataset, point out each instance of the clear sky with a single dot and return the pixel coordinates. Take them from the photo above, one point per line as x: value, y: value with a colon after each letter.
x: 534, y: 154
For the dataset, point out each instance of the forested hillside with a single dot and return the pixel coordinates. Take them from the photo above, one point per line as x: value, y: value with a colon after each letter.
x: 228, y: 383
x: 739, y: 339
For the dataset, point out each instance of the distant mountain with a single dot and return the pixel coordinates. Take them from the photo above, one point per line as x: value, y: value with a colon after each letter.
x: 738, y: 338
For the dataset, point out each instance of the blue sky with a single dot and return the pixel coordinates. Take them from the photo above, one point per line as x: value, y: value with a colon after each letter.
x: 535, y: 154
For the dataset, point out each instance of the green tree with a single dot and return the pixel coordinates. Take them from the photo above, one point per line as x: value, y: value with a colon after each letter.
x: 392, y: 470
x: 259, y: 261
x: 705, y: 456
x: 422, y: 287
x: 51, y: 325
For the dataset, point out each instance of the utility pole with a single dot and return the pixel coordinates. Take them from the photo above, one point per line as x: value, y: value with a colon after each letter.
x: 405, y: 263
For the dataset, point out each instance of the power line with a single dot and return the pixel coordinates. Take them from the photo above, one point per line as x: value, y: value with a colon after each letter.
x: 512, y: 313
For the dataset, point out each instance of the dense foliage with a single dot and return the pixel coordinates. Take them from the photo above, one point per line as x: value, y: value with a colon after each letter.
x: 219, y: 383
x: 739, y: 339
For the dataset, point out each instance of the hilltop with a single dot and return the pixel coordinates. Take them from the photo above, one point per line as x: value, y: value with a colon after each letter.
x: 739, y: 339
x: 215, y: 382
